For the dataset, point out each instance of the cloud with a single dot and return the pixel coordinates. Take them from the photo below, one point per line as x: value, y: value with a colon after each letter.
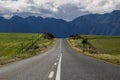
x: 65, y: 9
x: 102, y: 6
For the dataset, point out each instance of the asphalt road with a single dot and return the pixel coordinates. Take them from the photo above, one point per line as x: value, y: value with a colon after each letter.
x: 60, y: 63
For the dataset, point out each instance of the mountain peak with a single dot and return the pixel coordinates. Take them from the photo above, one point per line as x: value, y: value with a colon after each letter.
x: 16, y: 17
x: 116, y: 11
x: 97, y: 24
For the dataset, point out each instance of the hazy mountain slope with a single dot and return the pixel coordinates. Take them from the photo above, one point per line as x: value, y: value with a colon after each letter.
x: 104, y: 24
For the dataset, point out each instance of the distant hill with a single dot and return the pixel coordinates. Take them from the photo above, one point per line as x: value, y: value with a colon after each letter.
x: 58, y: 27
x: 97, y: 24
x: 105, y: 24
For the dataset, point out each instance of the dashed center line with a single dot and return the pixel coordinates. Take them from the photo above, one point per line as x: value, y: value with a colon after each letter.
x: 55, y: 63
x: 51, y: 74
x: 58, y: 72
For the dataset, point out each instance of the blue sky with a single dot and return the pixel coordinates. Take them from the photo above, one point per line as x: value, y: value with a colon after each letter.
x: 64, y: 9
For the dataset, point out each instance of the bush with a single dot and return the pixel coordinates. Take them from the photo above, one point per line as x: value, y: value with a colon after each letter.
x: 48, y: 36
x: 76, y: 36
x: 36, y: 47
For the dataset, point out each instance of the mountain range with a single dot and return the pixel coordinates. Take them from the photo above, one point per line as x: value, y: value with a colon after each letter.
x: 91, y: 24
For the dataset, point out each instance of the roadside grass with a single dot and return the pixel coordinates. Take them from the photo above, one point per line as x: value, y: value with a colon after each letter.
x: 99, y: 37
x: 107, y: 47
x: 17, y: 46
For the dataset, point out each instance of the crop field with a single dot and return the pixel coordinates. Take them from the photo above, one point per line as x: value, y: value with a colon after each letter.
x: 17, y: 46
x: 105, y: 47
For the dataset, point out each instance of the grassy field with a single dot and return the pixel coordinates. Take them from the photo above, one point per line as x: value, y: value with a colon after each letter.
x: 15, y: 46
x: 105, y: 47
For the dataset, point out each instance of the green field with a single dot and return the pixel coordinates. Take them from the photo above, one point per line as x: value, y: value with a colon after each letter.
x: 105, y: 47
x: 15, y: 46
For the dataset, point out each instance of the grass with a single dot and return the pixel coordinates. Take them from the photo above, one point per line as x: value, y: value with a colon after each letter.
x: 107, y: 47
x: 111, y: 46
x: 19, y: 46
x: 99, y: 37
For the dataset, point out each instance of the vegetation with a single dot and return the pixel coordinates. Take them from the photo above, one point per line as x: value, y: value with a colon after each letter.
x: 48, y: 36
x: 76, y: 36
x: 15, y: 46
x: 104, y: 47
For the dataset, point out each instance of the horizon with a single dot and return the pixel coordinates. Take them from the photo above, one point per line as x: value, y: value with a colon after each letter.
x: 57, y: 18
x: 66, y: 10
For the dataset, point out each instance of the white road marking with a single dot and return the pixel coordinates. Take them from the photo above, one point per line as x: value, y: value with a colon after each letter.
x: 55, y: 63
x: 58, y: 75
x: 51, y: 74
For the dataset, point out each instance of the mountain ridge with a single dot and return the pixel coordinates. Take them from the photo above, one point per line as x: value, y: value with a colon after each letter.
x: 95, y: 24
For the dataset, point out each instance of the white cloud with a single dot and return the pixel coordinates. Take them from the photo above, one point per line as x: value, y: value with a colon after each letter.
x: 66, y: 9
x: 102, y: 6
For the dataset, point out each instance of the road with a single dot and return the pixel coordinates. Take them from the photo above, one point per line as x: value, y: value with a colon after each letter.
x: 60, y: 63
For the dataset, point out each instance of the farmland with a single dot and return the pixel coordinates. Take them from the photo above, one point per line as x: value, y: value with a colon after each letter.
x: 104, y: 47
x: 17, y: 46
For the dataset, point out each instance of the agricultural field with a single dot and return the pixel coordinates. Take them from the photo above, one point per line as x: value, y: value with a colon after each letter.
x: 103, y: 47
x: 17, y: 46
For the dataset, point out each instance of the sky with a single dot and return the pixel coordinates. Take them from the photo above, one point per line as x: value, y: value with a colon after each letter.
x: 62, y: 9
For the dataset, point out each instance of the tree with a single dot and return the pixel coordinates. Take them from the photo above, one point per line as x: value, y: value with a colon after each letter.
x: 84, y: 43
x: 48, y: 36
x: 76, y: 36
